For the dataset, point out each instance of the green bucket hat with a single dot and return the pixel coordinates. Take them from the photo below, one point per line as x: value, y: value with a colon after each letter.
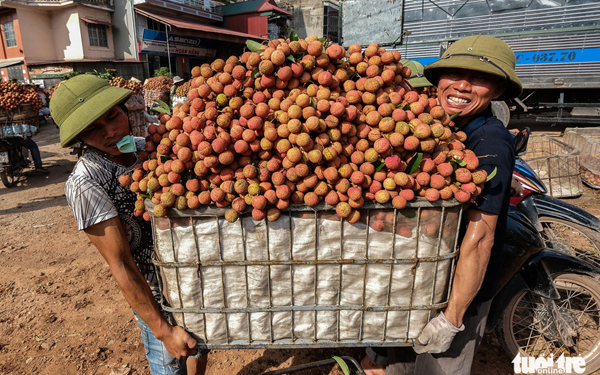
x: 417, y: 78
x: 482, y: 53
x: 80, y: 101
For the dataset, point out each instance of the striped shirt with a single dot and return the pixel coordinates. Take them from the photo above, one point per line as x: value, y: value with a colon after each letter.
x: 95, y: 195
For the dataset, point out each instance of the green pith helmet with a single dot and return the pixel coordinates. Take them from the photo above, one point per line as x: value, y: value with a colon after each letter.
x: 482, y: 53
x: 416, y: 79
x: 80, y: 101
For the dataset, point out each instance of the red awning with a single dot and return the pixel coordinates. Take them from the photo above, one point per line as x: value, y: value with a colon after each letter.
x: 96, y: 22
x: 213, y: 32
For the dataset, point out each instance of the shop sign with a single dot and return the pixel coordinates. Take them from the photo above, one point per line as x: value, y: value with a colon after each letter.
x: 49, y: 71
x: 155, y: 42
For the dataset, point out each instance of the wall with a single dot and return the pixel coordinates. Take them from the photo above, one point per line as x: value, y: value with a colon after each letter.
x: 308, y: 17
x: 258, y: 25
x: 37, y: 35
x: 124, y: 31
x: 237, y: 22
x: 66, y: 31
x: 11, y: 52
x: 93, y: 52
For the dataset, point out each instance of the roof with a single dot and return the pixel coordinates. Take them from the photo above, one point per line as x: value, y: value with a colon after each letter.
x: 94, y: 21
x: 7, y: 63
x: 214, y: 32
x: 254, y: 6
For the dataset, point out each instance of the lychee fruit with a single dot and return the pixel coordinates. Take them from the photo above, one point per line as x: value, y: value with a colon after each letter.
x: 432, y: 194
x: 462, y: 196
x: 479, y: 176
x: 463, y: 175
x: 343, y: 209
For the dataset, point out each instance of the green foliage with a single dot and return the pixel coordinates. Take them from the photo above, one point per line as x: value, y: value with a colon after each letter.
x: 491, y: 175
x: 163, y: 72
x: 293, y: 35
x: 414, y: 162
x: 253, y: 46
x: 107, y: 75
x: 71, y: 75
x: 164, y: 107
x: 342, y: 364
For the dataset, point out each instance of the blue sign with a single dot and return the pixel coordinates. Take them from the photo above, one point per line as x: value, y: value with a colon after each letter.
x: 558, y: 56
x: 155, y: 42
x: 545, y: 57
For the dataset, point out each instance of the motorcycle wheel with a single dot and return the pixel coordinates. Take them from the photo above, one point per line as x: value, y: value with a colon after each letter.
x: 8, y: 179
x: 522, y: 328
x: 572, y: 239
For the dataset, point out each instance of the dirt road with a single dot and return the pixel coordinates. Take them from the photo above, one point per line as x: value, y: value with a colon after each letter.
x: 62, y: 313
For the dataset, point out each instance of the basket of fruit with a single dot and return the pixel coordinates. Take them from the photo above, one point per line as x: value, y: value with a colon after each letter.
x: 587, y: 141
x: 157, y: 88
x: 306, y: 277
x: 556, y: 163
x: 303, y: 197
x: 23, y: 121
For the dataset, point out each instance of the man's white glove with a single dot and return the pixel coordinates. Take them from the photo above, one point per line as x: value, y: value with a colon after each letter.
x: 437, y: 335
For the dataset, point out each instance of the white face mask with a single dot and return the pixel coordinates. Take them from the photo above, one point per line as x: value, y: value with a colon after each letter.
x: 127, y: 144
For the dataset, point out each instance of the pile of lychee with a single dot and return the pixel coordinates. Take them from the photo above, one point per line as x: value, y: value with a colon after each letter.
x: 300, y: 122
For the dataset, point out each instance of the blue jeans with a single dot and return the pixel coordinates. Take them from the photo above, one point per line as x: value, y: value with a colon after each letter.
x: 35, y: 151
x: 161, y: 362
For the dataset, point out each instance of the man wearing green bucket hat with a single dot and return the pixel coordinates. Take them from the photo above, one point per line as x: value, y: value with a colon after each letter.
x: 470, y: 74
x: 88, y: 110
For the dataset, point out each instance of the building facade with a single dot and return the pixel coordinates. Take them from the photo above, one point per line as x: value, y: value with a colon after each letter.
x: 45, y: 40
x: 179, y: 35
x: 257, y: 17
x: 314, y: 17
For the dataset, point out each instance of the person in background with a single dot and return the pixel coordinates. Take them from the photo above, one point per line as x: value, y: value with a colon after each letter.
x: 417, y: 79
x: 177, y: 81
x: 88, y: 110
x: 470, y: 74
x: 33, y: 148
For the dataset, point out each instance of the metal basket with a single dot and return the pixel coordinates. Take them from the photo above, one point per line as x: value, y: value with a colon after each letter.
x: 587, y: 141
x: 150, y: 96
x: 556, y: 164
x: 22, y: 122
x: 308, y: 279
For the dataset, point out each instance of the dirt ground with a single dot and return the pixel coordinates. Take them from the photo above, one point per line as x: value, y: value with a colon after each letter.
x: 62, y: 313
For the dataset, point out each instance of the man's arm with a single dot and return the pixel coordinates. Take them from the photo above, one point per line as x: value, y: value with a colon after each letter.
x: 474, y: 255
x: 110, y: 239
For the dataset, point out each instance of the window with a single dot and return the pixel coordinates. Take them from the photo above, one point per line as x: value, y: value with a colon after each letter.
x: 97, y: 35
x: 155, y: 25
x: 330, y: 23
x: 9, y: 34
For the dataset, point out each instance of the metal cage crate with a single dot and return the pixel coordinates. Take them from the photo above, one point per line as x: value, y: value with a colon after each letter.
x: 308, y: 279
x: 556, y: 164
x: 587, y: 141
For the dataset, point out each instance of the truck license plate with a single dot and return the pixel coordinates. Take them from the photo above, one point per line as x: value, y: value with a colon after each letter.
x: 4, y: 157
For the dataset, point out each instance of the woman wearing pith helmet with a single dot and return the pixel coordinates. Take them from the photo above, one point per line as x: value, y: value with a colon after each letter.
x: 88, y: 110
x: 470, y: 74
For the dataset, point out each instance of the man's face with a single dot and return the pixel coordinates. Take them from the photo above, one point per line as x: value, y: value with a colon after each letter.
x: 467, y: 91
x: 107, y: 130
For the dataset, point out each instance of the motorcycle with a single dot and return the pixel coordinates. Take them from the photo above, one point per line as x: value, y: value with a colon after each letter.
x: 14, y: 158
x: 549, y: 299
x: 564, y: 227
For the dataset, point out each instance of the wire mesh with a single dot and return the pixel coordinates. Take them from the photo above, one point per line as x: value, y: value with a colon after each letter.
x: 309, y: 279
x: 587, y: 141
x: 556, y: 164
